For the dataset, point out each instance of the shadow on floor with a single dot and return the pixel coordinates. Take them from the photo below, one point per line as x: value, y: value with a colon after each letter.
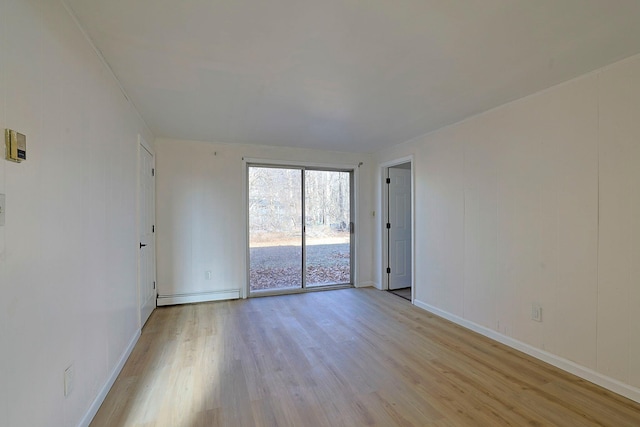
x: 402, y: 293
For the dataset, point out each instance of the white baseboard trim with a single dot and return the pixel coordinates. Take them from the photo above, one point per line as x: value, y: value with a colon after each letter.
x: 588, y: 374
x: 365, y: 285
x: 369, y: 284
x: 198, y: 297
x: 93, y: 409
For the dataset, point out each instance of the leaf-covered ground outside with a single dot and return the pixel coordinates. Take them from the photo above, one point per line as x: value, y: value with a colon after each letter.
x: 278, y: 267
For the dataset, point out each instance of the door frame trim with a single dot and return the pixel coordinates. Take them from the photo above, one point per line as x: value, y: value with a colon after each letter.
x: 384, y: 202
x: 345, y: 167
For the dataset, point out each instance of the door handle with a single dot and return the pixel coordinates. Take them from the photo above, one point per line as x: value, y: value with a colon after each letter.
x: 142, y: 245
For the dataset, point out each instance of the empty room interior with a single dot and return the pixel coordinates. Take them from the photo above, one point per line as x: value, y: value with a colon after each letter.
x: 320, y: 213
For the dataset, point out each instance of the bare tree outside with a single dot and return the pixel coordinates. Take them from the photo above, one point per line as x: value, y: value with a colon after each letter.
x: 275, y: 208
x: 275, y: 227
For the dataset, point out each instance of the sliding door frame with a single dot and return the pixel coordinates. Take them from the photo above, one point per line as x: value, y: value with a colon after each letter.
x: 302, y: 166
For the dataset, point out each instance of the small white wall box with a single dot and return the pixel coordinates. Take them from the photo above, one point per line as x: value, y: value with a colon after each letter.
x: 16, y: 145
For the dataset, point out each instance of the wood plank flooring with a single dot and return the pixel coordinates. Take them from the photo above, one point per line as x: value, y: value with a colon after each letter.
x: 352, y: 357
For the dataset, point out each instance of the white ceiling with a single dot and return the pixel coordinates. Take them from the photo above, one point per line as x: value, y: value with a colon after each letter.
x: 350, y: 75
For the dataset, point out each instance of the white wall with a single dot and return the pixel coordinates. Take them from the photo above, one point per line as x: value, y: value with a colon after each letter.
x: 68, y: 249
x: 201, y: 212
x: 539, y: 201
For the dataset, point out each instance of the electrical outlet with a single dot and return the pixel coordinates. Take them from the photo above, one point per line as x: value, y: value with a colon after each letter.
x: 69, y: 379
x: 536, y: 312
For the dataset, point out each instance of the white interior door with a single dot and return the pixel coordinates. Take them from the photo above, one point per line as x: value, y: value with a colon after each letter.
x: 399, y: 228
x: 146, y: 221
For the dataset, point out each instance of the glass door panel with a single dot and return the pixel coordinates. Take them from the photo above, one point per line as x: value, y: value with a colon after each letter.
x: 275, y: 228
x: 327, y: 227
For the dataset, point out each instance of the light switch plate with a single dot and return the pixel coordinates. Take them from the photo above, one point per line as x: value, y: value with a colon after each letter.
x: 2, y: 209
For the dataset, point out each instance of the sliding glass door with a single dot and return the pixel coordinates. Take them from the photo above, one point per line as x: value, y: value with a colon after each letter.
x: 300, y: 230
x: 327, y: 227
x: 275, y: 228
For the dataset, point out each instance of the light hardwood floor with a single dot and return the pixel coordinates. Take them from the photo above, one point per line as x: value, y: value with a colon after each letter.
x: 353, y: 357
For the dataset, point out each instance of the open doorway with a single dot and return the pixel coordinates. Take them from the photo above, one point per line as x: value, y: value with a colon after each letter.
x: 398, y: 228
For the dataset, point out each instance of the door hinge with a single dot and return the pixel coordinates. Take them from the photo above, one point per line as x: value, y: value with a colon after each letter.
x: 153, y: 228
x: 153, y: 172
x: 388, y: 180
x: 388, y: 270
x: 388, y: 225
x: 352, y: 227
x: 154, y: 284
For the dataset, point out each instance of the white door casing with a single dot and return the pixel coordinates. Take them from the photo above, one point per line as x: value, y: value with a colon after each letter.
x: 399, y: 199
x: 146, y: 227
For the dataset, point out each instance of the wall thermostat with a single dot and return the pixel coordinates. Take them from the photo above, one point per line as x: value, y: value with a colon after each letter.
x: 16, y: 145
